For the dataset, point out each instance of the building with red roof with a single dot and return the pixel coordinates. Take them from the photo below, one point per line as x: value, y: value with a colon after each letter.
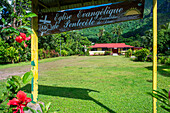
x: 114, y: 48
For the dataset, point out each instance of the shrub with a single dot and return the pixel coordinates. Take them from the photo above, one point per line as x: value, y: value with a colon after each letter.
x: 13, y: 54
x: 149, y: 58
x: 48, y: 55
x: 53, y: 53
x: 167, y: 61
x: 82, y: 53
x: 101, y: 54
x: 95, y: 54
x: 64, y: 53
x: 40, y: 54
x: 3, y: 51
x: 162, y: 59
x: 141, y: 55
x: 107, y: 53
x: 87, y: 53
x: 128, y: 53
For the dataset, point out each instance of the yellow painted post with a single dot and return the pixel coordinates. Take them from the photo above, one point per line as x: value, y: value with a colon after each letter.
x: 34, y: 52
x: 154, y: 54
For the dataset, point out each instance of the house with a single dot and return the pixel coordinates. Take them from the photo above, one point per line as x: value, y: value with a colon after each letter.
x: 113, y: 48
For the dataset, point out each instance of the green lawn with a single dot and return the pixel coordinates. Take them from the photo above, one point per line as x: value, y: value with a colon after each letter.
x: 98, y: 84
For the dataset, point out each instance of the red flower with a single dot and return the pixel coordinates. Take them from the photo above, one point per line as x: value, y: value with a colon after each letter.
x: 28, y: 38
x: 19, y: 39
x: 20, y: 102
x: 23, y: 35
x: 25, y: 45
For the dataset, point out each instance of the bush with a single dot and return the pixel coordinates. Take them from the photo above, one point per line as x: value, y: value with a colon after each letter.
x: 53, y: 53
x: 149, y: 58
x: 107, y: 53
x: 13, y: 54
x: 3, y: 51
x: 64, y: 53
x: 40, y: 54
x: 128, y: 53
x: 81, y: 53
x: 162, y: 59
x: 100, y: 54
x: 141, y: 55
x: 87, y: 53
x: 167, y: 61
x: 95, y: 54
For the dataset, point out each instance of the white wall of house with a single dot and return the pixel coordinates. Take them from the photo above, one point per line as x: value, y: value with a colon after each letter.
x: 96, y: 52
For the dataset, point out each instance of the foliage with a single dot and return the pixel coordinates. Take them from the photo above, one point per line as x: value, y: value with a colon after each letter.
x: 162, y: 59
x: 13, y: 54
x: 149, y: 58
x: 141, y: 55
x: 108, y: 52
x: 20, y: 102
x: 17, y: 18
x: 3, y: 51
x: 128, y: 53
x: 13, y: 85
x: 164, y: 97
x: 167, y: 61
x: 64, y: 53
x: 45, y: 109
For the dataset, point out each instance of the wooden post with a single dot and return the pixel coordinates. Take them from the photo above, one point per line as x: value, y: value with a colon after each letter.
x: 154, y: 54
x: 34, y: 52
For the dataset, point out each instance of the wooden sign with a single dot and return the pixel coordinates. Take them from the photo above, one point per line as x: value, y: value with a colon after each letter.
x: 78, y: 18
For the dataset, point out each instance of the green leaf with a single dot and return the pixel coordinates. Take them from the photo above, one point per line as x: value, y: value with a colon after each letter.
x: 42, y: 107
x: 1, y: 8
x: 165, y: 91
x: 47, y: 106
x: 32, y: 110
x: 27, y: 77
x: 166, y: 96
x: 28, y: 34
x: 30, y: 15
x: 10, y: 29
x: 38, y: 111
x: 3, y: 20
x: 166, y: 108
x: 29, y: 30
x: 26, y: 108
x: 32, y: 63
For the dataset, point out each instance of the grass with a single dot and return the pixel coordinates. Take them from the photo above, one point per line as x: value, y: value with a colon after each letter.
x: 99, y: 84
x: 3, y: 66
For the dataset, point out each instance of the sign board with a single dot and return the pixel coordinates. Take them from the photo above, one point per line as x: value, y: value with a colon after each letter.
x: 78, y: 18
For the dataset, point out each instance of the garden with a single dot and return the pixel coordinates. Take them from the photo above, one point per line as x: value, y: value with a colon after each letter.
x: 91, y: 84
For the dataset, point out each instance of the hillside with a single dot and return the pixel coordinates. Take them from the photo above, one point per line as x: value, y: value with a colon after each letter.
x: 131, y: 28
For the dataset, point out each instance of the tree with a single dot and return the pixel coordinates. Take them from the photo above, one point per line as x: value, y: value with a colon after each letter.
x: 18, y: 18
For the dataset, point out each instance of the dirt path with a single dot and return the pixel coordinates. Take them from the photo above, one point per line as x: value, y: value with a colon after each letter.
x: 20, y: 70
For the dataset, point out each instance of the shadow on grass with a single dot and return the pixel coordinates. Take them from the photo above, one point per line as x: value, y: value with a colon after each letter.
x: 162, y: 70
x: 69, y: 92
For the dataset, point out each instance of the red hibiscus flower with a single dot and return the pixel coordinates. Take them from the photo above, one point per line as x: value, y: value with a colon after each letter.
x: 21, y: 101
x: 25, y: 45
x: 23, y: 35
x: 28, y: 38
x: 19, y: 39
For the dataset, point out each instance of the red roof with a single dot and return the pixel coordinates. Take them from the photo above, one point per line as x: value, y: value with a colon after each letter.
x: 111, y: 45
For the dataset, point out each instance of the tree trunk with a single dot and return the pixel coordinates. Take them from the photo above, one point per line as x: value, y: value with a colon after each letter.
x: 14, y: 21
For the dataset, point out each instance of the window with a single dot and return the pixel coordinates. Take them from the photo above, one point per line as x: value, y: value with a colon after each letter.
x: 94, y: 49
x: 104, y: 49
